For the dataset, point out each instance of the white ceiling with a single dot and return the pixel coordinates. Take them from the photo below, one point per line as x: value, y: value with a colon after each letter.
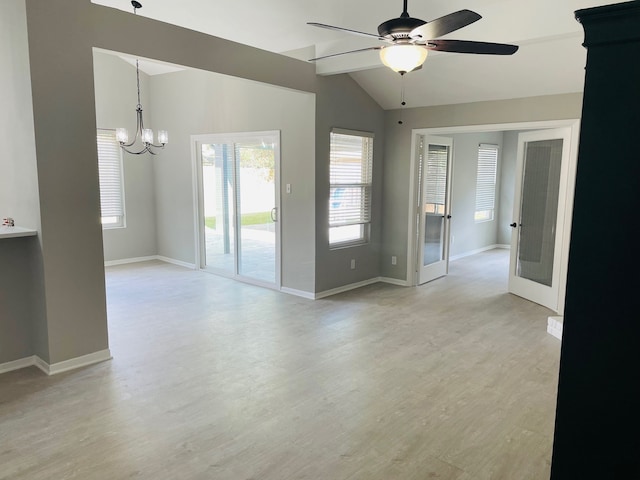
x: 550, y: 60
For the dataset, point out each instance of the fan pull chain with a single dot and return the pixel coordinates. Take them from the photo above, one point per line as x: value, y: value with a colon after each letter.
x: 402, y: 102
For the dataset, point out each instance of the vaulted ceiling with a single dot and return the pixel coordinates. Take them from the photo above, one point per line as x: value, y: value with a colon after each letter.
x: 550, y: 59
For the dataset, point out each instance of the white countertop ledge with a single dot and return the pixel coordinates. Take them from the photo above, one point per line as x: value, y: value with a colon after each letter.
x: 13, y: 232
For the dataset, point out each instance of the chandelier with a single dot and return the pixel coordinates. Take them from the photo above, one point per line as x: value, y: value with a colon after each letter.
x: 143, y: 136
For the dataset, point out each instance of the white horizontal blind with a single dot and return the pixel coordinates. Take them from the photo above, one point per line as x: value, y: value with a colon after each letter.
x: 486, y: 181
x: 110, y: 172
x: 435, y: 174
x: 350, y: 177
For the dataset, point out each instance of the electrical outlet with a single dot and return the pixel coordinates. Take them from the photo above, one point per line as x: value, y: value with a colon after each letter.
x: 394, y: 260
x: 353, y: 264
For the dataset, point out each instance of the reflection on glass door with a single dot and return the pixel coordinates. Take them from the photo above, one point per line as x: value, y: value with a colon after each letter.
x: 435, y: 168
x: 238, y: 204
x: 534, y: 269
x: 539, y: 210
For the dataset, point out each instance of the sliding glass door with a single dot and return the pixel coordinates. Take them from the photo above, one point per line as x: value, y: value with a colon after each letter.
x: 238, y: 200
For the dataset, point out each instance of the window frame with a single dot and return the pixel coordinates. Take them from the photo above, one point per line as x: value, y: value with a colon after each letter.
x: 106, y: 138
x: 486, y: 183
x: 363, y: 224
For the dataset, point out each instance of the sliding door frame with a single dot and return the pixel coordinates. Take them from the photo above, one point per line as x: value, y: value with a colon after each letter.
x: 198, y: 206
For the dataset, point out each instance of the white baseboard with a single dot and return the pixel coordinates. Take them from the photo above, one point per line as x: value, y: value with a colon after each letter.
x: 346, y: 288
x: 124, y: 261
x: 173, y: 261
x: 479, y: 250
x: 161, y: 258
x: 17, y: 364
x: 554, y: 326
x: 394, y: 281
x: 298, y: 293
x: 52, y: 369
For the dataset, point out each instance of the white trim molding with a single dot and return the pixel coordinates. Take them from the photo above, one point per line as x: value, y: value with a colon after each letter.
x: 346, y: 288
x: 125, y: 261
x: 17, y: 364
x: 478, y: 250
x: 298, y: 293
x: 173, y: 261
x: 554, y: 326
x: 55, y: 368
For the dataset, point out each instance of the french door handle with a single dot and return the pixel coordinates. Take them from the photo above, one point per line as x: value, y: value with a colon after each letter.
x: 274, y: 212
x: 514, y: 224
x: 448, y: 217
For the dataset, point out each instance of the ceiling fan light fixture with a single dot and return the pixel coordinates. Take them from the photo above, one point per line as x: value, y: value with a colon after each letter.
x: 403, y: 58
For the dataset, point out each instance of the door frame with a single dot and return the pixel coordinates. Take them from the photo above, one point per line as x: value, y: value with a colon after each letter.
x: 547, y: 296
x: 440, y: 268
x: 573, y: 123
x: 198, y: 207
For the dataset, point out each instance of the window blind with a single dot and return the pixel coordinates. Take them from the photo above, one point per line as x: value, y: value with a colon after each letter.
x: 350, y: 177
x: 486, y: 179
x: 435, y: 174
x: 110, y: 173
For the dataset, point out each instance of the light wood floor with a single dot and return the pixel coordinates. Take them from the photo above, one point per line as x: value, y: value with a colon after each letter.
x: 213, y: 379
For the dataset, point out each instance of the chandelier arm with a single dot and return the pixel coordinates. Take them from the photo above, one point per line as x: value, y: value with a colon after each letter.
x: 148, y: 146
x: 146, y: 149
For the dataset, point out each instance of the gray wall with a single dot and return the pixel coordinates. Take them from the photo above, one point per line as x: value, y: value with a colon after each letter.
x: 116, y: 99
x: 507, y: 186
x: 467, y: 235
x: 61, y: 36
x: 23, y: 329
x: 342, y: 103
x: 397, y: 156
x: 193, y: 102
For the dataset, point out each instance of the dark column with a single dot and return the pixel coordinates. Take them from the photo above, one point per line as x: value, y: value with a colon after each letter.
x: 597, y: 432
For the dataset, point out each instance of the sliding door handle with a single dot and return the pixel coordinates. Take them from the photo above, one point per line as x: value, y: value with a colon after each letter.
x: 274, y: 214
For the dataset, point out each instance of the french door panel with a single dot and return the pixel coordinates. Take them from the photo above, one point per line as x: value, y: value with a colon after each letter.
x: 537, y: 220
x: 433, y: 207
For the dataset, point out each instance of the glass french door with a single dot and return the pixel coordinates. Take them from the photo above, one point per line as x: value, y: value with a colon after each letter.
x: 238, y: 205
x: 434, y: 215
x: 538, y: 221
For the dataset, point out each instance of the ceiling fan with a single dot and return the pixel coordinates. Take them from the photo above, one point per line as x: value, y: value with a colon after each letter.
x: 410, y: 39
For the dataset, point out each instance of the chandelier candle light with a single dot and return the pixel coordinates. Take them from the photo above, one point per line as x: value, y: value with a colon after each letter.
x: 145, y: 134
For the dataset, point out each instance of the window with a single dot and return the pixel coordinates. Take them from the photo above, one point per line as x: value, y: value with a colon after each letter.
x: 486, y: 182
x: 110, y: 172
x: 435, y: 170
x: 350, y: 176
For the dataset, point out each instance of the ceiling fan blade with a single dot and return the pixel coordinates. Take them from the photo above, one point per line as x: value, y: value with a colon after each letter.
x: 346, y: 30
x: 443, y: 25
x: 344, y: 53
x: 467, y: 46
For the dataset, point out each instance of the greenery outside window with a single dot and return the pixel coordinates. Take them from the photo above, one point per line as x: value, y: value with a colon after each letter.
x: 350, y: 178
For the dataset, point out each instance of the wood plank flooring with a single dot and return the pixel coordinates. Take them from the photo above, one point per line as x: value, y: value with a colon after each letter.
x: 214, y: 379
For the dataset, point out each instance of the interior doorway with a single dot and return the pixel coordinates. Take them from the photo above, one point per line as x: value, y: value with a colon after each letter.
x: 502, y: 219
x: 238, y: 205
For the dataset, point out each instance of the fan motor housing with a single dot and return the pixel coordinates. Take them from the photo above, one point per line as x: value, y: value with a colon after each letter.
x: 399, y: 27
